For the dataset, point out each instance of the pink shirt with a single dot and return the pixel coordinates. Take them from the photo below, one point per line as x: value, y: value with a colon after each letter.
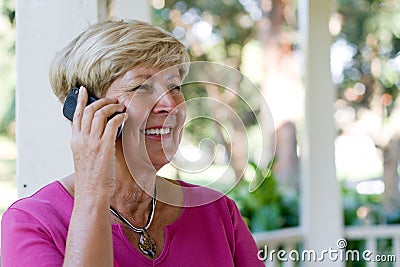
x: 34, y: 232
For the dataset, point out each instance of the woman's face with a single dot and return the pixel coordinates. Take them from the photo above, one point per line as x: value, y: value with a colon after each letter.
x: 156, y: 114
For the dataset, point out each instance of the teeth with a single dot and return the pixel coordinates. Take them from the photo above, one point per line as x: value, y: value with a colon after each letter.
x: 160, y: 131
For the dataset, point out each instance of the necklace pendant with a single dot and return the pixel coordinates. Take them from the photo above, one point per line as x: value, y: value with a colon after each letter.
x: 146, y: 244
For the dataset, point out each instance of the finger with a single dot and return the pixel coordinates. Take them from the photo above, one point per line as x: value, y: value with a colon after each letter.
x: 101, y: 116
x: 81, y: 103
x: 110, y: 132
x: 90, y: 110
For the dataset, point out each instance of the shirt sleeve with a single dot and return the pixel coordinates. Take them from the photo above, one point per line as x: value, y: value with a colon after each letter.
x: 26, y: 242
x: 245, y: 252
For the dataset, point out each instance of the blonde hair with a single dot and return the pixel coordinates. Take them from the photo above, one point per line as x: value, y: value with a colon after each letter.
x: 106, y: 50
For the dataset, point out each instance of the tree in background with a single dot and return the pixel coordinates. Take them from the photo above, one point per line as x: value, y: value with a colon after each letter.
x: 366, y: 69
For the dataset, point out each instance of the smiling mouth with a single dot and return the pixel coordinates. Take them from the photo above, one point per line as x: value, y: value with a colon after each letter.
x: 157, y: 131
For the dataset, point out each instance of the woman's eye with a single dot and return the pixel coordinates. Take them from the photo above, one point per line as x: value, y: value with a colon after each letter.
x: 140, y: 87
x: 175, y: 87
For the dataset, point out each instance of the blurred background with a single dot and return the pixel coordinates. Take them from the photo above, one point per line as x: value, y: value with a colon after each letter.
x: 261, y: 39
x: 8, y: 150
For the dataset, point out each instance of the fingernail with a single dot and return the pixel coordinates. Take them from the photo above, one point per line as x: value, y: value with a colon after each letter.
x: 80, y: 89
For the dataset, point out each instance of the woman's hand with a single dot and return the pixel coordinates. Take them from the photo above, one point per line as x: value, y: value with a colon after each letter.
x: 93, y: 145
x: 89, y: 240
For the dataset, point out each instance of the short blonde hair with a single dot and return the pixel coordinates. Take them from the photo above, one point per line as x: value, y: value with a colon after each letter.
x: 107, y: 50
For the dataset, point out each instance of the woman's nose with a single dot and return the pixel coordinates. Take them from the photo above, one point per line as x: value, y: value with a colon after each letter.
x: 165, y: 103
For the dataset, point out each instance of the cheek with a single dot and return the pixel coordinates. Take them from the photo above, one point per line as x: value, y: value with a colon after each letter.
x: 138, y: 111
x: 181, y: 115
x: 181, y: 105
x: 181, y: 118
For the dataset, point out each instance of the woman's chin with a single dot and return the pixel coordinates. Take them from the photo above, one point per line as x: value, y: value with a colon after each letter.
x: 159, y: 163
x: 159, y: 157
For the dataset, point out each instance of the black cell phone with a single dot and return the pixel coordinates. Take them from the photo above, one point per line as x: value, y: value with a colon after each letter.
x: 70, y: 106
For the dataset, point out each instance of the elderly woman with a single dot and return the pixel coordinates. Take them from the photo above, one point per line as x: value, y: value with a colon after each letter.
x: 109, y: 211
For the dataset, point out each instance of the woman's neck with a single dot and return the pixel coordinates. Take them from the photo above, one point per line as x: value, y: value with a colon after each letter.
x: 132, y: 193
x: 131, y: 197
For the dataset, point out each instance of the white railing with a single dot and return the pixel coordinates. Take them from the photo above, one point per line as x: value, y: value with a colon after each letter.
x: 290, y: 238
x: 371, y: 234
x: 286, y: 239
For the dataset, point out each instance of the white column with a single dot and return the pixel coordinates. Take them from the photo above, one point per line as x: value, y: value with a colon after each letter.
x: 321, y: 211
x: 129, y: 9
x: 43, y: 134
x: 44, y: 27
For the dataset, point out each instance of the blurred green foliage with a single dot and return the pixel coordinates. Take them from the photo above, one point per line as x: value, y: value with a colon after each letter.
x: 227, y: 37
x: 369, y: 84
x: 7, y: 8
x: 268, y: 207
x: 271, y: 207
x: 371, y: 28
x: 7, y: 67
x: 361, y: 209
